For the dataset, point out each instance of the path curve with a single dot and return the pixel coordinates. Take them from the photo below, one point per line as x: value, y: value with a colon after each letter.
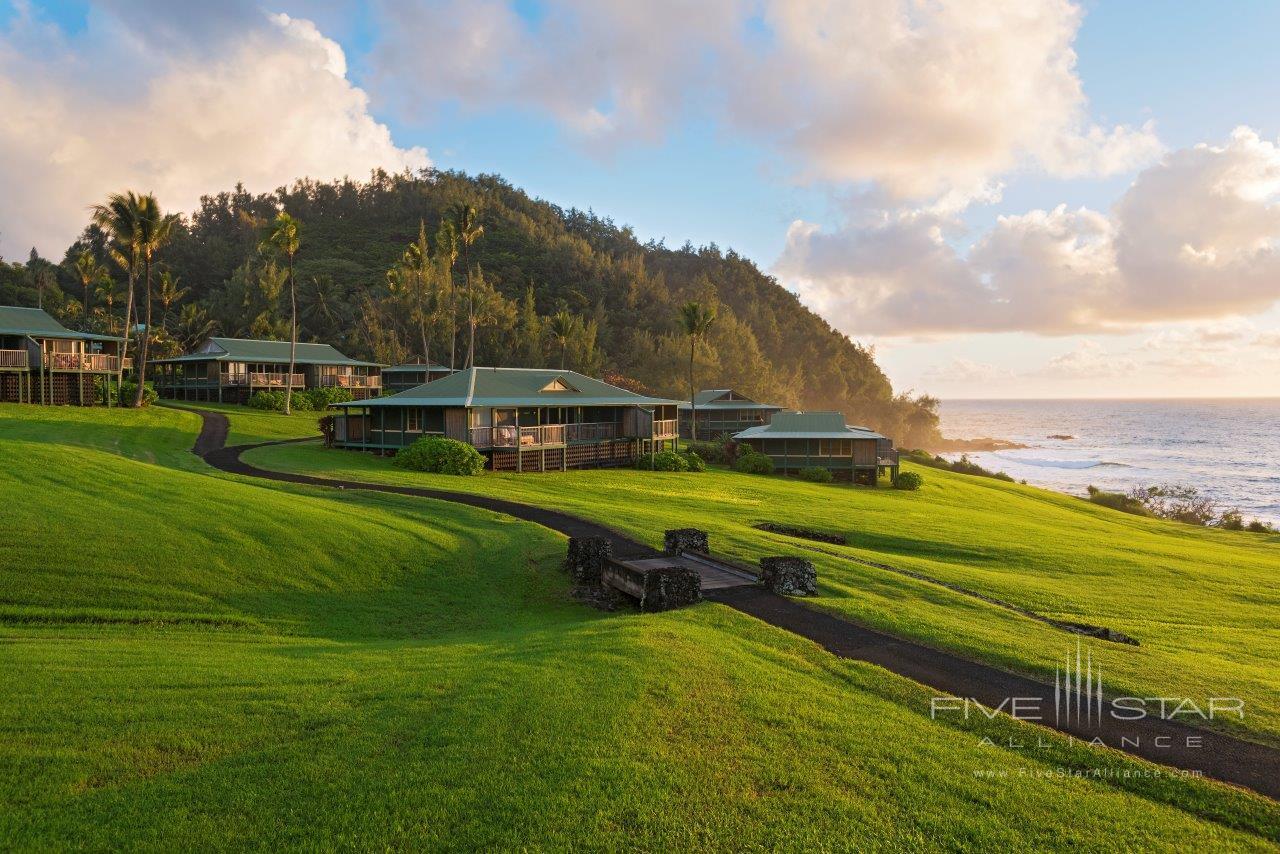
x: 1222, y: 757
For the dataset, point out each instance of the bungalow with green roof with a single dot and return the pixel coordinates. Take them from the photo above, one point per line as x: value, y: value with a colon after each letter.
x: 798, y: 440
x: 521, y: 419
x: 721, y: 412
x: 398, y: 378
x: 230, y: 370
x: 41, y: 361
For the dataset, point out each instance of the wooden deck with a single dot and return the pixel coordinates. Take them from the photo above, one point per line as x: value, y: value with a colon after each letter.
x: 714, y: 574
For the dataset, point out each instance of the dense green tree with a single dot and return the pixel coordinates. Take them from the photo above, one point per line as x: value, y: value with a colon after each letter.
x: 696, y: 320
x: 285, y: 237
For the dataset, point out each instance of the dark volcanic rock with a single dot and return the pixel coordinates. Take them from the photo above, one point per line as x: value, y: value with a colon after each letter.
x: 587, y: 556
x: 790, y: 576
x: 685, y: 540
x: 803, y: 533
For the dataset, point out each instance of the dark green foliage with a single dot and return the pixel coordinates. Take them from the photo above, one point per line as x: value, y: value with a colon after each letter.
x: 130, y: 388
x: 1117, y: 501
x: 964, y: 465
x: 316, y: 399
x: 909, y: 480
x: 1231, y: 520
x: 750, y: 461
x: 322, y: 397
x: 272, y: 401
x: 714, y: 451
x: 537, y: 260
x: 694, y: 460
x: 1257, y: 526
x: 440, y: 456
x: 663, y: 461
x: 816, y: 474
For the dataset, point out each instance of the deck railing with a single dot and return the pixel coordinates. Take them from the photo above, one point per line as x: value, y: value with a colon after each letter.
x: 545, y: 434
x: 275, y: 379
x: 353, y: 381
x: 82, y: 362
x: 598, y: 431
x: 888, y: 459
x: 13, y: 358
x: 664, y: 429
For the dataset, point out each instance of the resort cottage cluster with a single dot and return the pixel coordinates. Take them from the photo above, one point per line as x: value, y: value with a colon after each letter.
x: 520, y: 419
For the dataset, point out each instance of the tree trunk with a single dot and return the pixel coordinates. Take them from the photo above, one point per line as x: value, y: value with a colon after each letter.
x: 693, y: 401
x: 146, y: 339
x: 453, y: 323
x: 293, y: 340
x: 471, y: 311
x: 124, y: 334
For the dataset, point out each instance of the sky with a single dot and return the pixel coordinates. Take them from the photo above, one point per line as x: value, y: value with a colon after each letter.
x: 1032, y: 199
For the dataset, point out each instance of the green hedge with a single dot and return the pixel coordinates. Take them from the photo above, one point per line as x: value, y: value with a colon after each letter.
x: 309, y: 400
x: 440, y: 456
x: 908, y: 480
x: 753, y: 462
x: 816, y: 474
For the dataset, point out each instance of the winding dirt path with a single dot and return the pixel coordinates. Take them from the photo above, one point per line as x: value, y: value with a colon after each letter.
x: 1166, y: 742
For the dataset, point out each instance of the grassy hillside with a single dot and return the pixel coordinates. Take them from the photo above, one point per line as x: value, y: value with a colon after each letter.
x: 1202, y: 602
x: 194, y: 660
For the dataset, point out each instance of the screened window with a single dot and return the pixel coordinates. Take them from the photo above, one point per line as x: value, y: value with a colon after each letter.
x: 413, y: 419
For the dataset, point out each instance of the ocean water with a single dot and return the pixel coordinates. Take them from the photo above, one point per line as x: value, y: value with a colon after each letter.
x: 1229, y: 449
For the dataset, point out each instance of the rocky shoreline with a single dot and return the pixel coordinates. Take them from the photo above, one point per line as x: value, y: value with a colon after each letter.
x: 950, y: 446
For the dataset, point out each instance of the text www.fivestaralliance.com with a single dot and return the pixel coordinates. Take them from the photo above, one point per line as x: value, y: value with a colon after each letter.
x: 1091, y: 773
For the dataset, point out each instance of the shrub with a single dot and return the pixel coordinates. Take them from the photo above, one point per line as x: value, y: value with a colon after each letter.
x: 322, y: 397
x: 908, y: 480
x: 663, y: 461
x: 711, y: 451
x: 272, y: 401
x: 1257, y: 526
x: 129, y: 388
x: 1117, y: 501
x: 751, y: 461
x: 440, y: 456
x: 964, y: 465
x: 1231, y: 520
x: 816, y: 474
x: 695, y: 462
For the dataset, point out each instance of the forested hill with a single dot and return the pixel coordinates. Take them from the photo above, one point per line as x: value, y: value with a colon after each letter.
x: 535, y: 260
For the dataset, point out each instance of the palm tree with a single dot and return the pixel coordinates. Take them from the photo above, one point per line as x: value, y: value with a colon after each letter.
x: 193, y: 326
x: 285, y: 238
x: 119, y: 218
x: 469, y: 231
x: 90, y: 273
x: 417, y: 267
x: 696, y: 320
x: 107, y: 291
x: 561, y: 328
x: 446, y: 257
x: 152, y: 231
x: 170, y: 295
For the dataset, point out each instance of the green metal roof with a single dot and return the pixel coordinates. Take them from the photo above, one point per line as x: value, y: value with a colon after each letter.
x: 807, y: 425
x: 710, y: 399
x: 254, y: 350
x: 18, y: 320
x: 513, y: 387
x: 415, y: 366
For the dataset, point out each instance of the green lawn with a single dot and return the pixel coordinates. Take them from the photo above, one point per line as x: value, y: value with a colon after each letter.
x: 196, y: 660
x: 1203, y: 603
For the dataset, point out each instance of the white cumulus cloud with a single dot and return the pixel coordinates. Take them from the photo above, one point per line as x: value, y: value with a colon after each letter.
x: 108, y: 110
x: 921, y: 99
x: 1196, y: 235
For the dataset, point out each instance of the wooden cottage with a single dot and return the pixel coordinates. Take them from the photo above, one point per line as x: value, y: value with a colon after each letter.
x: 797, y: 440
x: 398, y: 378
x: 722, y: 412
x: 230, y: 370
x: 41, y: 361
x: 521, y: 419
